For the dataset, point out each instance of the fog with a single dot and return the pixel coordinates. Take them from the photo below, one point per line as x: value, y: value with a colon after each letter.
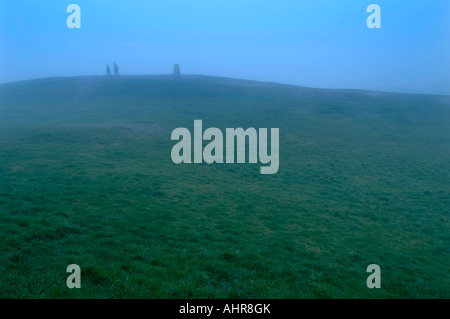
x: 324, y: 44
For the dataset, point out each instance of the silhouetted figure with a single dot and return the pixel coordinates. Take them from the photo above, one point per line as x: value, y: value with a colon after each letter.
x: 108, y: 70
x: 176, y: 70
x: 116, y: 69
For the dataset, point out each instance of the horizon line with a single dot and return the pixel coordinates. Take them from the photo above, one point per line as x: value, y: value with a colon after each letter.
x: 223, y: 77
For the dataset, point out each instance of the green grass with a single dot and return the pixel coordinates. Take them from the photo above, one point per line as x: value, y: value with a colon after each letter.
x: 86, y: 177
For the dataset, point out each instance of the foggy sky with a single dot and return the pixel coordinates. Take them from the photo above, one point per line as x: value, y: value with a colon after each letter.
x: 320, y: 43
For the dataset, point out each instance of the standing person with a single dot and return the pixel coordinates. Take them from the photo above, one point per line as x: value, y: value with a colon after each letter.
x: 116, y: 69
x: 108, y: 70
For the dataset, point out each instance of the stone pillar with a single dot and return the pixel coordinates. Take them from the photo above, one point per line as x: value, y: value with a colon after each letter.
x: 176, y: 70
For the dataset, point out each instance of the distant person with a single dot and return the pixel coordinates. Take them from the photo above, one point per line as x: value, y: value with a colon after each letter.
x: 116, y: 69
x: 108, y: 70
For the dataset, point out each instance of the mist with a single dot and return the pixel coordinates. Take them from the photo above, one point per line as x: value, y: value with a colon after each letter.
x: 323, y: 44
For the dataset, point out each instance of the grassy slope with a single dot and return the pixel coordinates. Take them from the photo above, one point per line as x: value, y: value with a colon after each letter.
x: 86, y: 178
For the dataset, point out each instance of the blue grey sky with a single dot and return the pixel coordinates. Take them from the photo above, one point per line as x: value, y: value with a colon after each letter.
x: 320, y: 43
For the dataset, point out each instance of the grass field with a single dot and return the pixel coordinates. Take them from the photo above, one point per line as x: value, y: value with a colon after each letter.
x: 86, y: 177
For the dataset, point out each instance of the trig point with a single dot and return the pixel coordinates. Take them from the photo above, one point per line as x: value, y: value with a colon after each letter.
x: 176, y: 70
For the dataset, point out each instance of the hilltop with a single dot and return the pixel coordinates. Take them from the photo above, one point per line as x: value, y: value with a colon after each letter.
x: 86, y: 178
x: 68, y: 100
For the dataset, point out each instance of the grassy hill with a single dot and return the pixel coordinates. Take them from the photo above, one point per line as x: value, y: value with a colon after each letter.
x: 86, y: 177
